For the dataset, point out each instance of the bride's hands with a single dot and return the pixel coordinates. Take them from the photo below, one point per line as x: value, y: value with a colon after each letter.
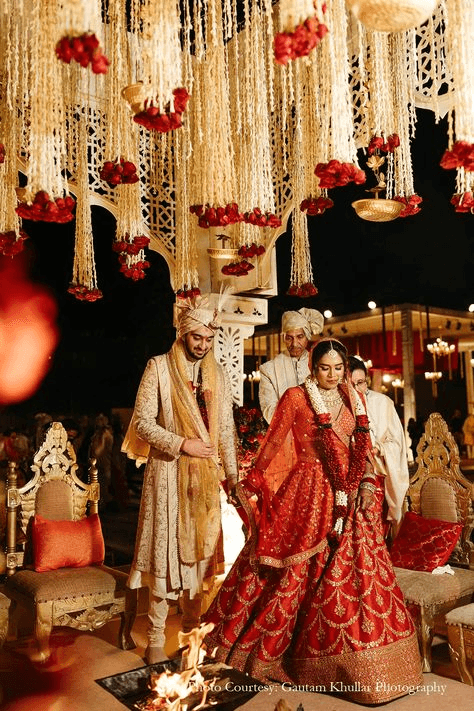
x: 365, y: 498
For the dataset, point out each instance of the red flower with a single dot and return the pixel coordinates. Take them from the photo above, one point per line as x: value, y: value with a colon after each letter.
x: 256, y: 217
x: 377, y: 143
x: 411, y: 204
x: 85, y: 50
x: 119, y: 172
x: 299, y: 43
x: 2, y: 153
x: 303, y: 291
x: 463, y: 202
x: 460, y: 156
x: 316, y: 206
x: 216, y: 216
x: 335, y: 173
x: 237, y: 268
x: 152, y: 119
x: 83, y: 293
x: 141, y: 241
x: 252, y: 250
x: 10, y: 244
x: 188, y: 293
x: 42, y: 209
x: 135, y: 271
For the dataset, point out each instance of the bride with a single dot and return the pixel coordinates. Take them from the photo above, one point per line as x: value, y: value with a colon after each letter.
x: 312, y: 599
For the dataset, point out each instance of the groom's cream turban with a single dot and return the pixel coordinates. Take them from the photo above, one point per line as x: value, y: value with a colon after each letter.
x: 310, y: 320
x: 194, y: 313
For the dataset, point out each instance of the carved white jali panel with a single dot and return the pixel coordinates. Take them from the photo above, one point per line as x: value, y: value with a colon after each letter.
x: 229, y: 351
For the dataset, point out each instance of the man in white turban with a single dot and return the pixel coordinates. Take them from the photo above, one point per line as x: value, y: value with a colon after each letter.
x: 183, y: 428
x: 288, y: 369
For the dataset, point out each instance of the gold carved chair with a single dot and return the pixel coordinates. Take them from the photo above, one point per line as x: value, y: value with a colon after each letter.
x: 438, y: 490
x: 55, y: 549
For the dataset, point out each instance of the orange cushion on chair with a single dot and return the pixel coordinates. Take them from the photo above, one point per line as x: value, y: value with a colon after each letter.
x: 67, y: 544
x: 424, y: 543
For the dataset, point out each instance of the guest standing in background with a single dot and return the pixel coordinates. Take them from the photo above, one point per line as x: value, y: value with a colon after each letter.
x: 389, y: 447
x: 300, y: 329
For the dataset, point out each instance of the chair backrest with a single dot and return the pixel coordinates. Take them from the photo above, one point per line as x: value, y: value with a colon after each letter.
x: 54, y: 491
x: 438, y: 489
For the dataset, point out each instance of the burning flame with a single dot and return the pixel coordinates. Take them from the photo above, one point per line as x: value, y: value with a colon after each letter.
x: 172, y: 688
x: 28, y: 332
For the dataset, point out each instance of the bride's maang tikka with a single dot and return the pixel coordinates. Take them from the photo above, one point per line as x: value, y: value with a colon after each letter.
x: 332, y: 353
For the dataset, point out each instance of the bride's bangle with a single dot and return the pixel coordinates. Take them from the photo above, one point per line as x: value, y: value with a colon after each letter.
x: 367, y: 485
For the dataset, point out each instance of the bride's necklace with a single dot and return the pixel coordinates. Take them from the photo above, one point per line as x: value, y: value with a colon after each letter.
x: 330, y: 397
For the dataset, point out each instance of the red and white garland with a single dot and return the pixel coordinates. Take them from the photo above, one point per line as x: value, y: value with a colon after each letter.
x: 342, y: 484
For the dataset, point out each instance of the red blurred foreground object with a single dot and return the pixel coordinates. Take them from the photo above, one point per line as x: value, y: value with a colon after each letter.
x: 28, y: 332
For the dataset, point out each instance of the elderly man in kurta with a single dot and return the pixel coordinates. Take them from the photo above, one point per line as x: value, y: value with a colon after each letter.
x: 183, y: 427
x: 290, y: 368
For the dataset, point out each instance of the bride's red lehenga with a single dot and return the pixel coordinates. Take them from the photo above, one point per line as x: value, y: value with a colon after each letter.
x: 295, y: 609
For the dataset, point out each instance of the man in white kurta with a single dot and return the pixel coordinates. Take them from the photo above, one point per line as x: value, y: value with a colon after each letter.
x: 291, y: 367
x: 286, y: 370
x: 183, y: 427
x: 388, y: 441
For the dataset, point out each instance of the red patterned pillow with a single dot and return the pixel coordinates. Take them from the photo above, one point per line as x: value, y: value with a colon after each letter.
x: 424, y: 543
x: 67, y: 544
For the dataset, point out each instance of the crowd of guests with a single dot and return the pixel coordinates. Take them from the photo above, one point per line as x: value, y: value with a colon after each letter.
x: 97, y: 436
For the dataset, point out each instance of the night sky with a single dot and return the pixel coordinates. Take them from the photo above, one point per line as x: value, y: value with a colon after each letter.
x: 424, y: 259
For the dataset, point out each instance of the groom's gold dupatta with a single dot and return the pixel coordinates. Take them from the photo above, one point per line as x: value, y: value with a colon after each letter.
x: 199, y: 516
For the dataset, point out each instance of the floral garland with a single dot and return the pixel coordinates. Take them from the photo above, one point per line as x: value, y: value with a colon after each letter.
x: 11, y: 243
x: 303, y: 291
x: 463, y: 202
x: 85, y: 50
x: 44, y: 209
x: 335, y: 173
x: 122, y: 172
x: 237, y: 268
x: 461, y: 155
x: 84, y: 293
x: 378, y: 144
x: 299, y: 43
x: 316, y: 206
x: 153, y: 119
x: 188, y: 293
x: 411, y: 204
x: 342, y: 484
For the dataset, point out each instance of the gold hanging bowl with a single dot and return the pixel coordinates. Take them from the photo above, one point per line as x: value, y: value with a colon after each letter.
x: 391, y: 15
x: 378, y: 209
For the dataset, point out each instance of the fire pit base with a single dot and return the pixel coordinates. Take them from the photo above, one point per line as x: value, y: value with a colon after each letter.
x: 232, y: 688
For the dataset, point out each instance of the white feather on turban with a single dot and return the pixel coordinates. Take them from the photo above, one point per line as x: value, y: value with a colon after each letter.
x: 310, y: 320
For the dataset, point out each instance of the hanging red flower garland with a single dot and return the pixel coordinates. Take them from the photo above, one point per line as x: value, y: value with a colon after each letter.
x: 153, y: 119
x: 11, y: 243
x: 463, y: 202
x: 461, y: 155
x: 335, y: 173
x: 121, y: 172
x: 83, y: 49
x: 303, y: 290
x: 188, y: 293
x: 316, y: 206
x: 43, y: 209
x: 288, y: 46
x: 379, y: 145
x: 411, y: 204
x: 83, y: 293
